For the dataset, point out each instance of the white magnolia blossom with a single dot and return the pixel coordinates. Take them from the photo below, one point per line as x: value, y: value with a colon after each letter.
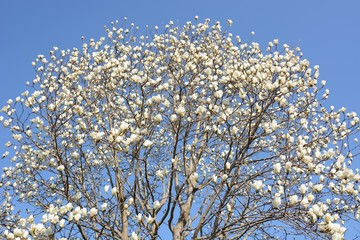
x: 158, y: 118
x: 61, y: 168
x: 139, y: 217
x: 224, y: 177
x: 150, y: 219
x: 257, y: 185
x: 293, y: 200
x: 214, y: 178
x: 193, y: 132
x: 62, y: 223
x: 277, y: 168
x: 181, y: 111
x: 303, y: 189
x: 147, y: 143
x: 104, y: 206
x: 134, y: 236
x: 228, y: 165
x: 276, y: 201
x: 93, y: 212
x: 288, y: 166
x: 157, y: 205
x: 230, y: 22
x: 114, y: 190
x: 229, y: 207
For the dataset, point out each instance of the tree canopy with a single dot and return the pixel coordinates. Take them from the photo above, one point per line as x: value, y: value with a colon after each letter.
x: 186, y: 132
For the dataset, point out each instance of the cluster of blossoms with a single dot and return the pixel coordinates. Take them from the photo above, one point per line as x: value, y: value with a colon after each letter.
x: 191, y: 132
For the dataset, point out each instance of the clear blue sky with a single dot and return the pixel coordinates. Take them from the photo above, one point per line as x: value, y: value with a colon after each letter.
x: 328, y: 32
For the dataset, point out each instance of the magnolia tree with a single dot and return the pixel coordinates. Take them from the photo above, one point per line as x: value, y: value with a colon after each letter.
x: 188, y: 133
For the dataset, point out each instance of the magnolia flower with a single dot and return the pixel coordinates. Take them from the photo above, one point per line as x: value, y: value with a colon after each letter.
x: 318, y: 187
x: 224, y: 177
x: 293, y: 200
x: 328, y: 218
x: 180, y: 110
x: 288, y: 166
x: 104, y: 206
x: 273, y: 125
x: 60, y: 168
x: 277, y: 168
x: 218, y: 94
x: 228, y: 207
x: 276, y: 201
x: 17, y: 137
x: 336, y: 228
x: 114, y: 190
x: 159, y: 173
x: 156, y: 205
x: 303, y: 189
x: 173, y: 118
x: 257, y: 184
x: 310, y: 197
x: 44, y: 218
x: 214, y: 178
x: 97, y: 136
x: 234, y: 130
x: 93, y: 212
x: 147, y: 143
x: 158, y: 118
x: 77, y: 217
x: 317, y: 210
x: 62, y: 223
x: 150, y: 219
x: 69, y: 206
x: 337, y: 236
x: 227, y: 166
x: 305, y: 202
x: 77, y: 195
x: 38, y: 229
x: 134, y: 236
x: 139, y: 217
x: 71, y: 216
x: 123, y: 126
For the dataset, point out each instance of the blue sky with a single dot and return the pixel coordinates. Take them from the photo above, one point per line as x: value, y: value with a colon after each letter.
x: 328, y: 32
